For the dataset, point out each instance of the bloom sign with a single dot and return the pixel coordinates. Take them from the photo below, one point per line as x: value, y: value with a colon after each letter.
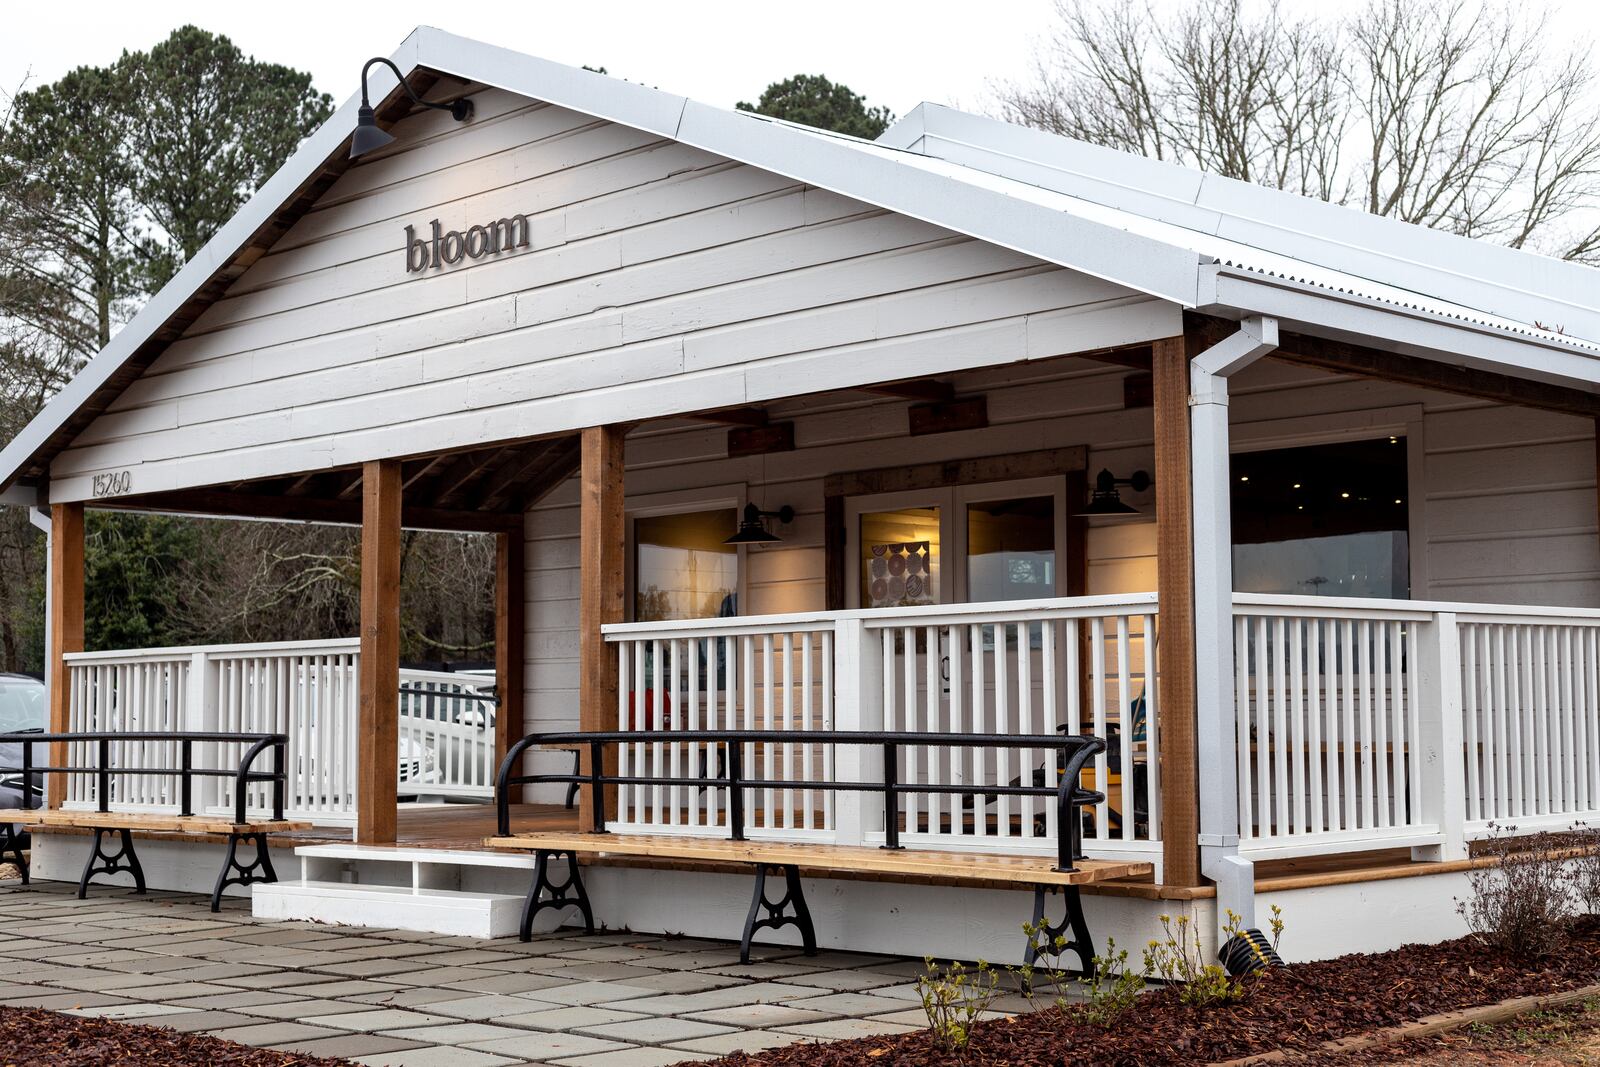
x: 447, y: 248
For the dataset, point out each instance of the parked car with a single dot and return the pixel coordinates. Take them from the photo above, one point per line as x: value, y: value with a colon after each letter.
x: 22, y: 710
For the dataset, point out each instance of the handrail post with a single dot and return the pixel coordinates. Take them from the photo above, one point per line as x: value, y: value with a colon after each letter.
x: 596, y: 784
x: 1440, y: 749
x: 280, y: 781
x: 736, y: 789
x: 185, y: 782
x: 891, y: 795
x: 103, y: 773
x: 27, y: 775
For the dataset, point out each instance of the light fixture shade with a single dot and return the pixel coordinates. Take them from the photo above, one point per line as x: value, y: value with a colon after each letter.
x: 1107, y: 501
x: 367, y: 135
x: 752, y: 531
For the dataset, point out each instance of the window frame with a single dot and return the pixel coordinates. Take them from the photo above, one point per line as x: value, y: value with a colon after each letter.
x: 683, y: 502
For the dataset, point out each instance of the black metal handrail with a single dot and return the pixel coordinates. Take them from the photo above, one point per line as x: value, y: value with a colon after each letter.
x: 1075, y: 752
x: 185, y: 772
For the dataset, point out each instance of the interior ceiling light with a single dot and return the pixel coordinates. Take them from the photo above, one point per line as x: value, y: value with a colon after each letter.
x: 368, y: 136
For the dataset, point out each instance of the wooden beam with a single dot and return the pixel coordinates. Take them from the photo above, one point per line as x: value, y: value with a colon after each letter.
x: 66, y: 631
x: 948, y: 416
x: 378, y: 714
x: 601, y: 550
x: 760, y: 440
x: 510, y: 655
x: 733, y: 416
x: 536, y: 489
x: 928, y: 390
x: 307, y: 509
x: 1180, y: 804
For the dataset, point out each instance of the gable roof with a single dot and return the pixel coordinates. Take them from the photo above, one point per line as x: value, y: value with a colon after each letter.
x: 1192, y: 239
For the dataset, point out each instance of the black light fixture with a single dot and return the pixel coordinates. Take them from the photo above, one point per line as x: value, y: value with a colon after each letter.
x: 1107, y: 501
x: 367, y: 136
x: 752, y: 531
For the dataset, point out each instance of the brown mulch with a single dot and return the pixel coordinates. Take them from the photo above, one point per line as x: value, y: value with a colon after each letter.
x: 1294, y: 1008
x: 36, y: 1036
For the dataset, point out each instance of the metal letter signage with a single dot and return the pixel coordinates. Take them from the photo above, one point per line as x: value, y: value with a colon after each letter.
x: 450, y: 248
x: 116, y: 483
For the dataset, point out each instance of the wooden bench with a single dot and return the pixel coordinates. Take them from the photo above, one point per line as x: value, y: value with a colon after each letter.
x: 922, y: 865
x: 237, y: 827
x: 125, y: 859
x: 1064, y: 872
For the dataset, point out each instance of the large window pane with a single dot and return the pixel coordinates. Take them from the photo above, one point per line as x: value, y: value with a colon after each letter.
x: 681, y: 568
x: 1011, y: 549
x: 900, y: 558
x: 1325, y: 520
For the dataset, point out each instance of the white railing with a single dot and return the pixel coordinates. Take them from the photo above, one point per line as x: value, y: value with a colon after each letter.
x: 1530, y: 699
x: 446, y: 735
x: 1327, y: 706
x: 1080, y: 664
x: 305, y: 689
x: 772, y: 673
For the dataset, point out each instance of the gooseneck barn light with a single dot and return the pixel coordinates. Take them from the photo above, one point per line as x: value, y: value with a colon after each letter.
x: 367, y: 136
x: 1107, y: 501
x: 752, y: 531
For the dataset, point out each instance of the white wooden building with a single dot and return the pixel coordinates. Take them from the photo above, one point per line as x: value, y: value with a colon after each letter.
x: 929, y: 347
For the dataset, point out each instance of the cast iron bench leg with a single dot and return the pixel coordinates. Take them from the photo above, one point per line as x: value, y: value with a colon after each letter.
x: 103, y: 862
x: 1045, y: 933
x: 569, y: 892
x: 793, y: 897
x: 11, y: 841
x: 236, y: 873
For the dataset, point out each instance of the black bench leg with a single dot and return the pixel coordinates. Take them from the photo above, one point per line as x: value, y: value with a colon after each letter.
x: 569, y: 892
x: 794, y: 898
x: 11, y: 841
x: 1045, y: 932
x: 103, y: 862
x: 235, y: 873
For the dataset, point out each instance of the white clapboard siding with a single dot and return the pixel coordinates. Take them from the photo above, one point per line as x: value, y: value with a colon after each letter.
x: 674, y: 241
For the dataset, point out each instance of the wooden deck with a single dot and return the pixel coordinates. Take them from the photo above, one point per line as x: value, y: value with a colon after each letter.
x: 451, y: 826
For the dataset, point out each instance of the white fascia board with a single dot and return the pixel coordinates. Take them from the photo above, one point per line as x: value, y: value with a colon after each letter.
x: 313, y: 152
x: 1406, y: 331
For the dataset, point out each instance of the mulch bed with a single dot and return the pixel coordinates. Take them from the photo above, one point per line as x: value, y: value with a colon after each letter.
x: 36, y: 1036
x: 1296, y: 1008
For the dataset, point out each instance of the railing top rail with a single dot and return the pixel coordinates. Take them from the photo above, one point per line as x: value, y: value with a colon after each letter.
x: 877, y: 618
x: 141, y: 735
x: 468, y: 681
x: 826, y: 737
x: 1366, y: 607
x: 265, y: 648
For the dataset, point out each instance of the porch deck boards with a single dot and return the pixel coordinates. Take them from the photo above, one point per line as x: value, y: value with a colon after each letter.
x: 460, y: 827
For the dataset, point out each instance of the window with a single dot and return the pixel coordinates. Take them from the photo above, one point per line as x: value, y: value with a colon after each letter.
x: 681, y: 568
x: 1324, y: 520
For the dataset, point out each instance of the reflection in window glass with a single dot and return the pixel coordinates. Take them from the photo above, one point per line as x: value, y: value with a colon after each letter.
x: 1326, y: 520
x: 900, y: 558
x: 1011, y: 549
x: 681, y: 568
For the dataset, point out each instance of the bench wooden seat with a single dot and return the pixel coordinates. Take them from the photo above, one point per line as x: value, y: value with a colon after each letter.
x: 125, y: 859
x: 933, y: 866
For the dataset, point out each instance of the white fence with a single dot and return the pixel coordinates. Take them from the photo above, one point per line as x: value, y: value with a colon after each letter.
x: 304, y: 689
x: 1081, y: 664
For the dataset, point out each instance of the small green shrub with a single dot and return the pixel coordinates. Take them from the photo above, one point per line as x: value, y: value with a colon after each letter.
x: 1112, y: 988
x: 955, y: 998
x: 1177, y: 959
x: 1522, y: 902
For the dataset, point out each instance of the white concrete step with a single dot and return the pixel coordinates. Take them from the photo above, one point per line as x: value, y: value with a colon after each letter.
x: 441, y: 911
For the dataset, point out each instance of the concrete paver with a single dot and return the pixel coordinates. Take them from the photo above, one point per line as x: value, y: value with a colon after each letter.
x: 401, y: 998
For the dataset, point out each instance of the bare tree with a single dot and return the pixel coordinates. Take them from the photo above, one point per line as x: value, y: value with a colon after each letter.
x: 1455, y: 114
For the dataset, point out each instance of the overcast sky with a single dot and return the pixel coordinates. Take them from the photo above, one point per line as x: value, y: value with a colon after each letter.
x: 896, y: 52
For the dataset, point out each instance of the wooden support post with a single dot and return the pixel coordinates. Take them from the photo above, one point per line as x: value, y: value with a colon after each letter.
x: 600, y: 596
x: 510, y: 657
x: 66, y: 631
x: 1180, y: 806
x: 378, y: 717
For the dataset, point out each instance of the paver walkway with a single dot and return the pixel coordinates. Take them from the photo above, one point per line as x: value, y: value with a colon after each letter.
x: 401, y: 998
